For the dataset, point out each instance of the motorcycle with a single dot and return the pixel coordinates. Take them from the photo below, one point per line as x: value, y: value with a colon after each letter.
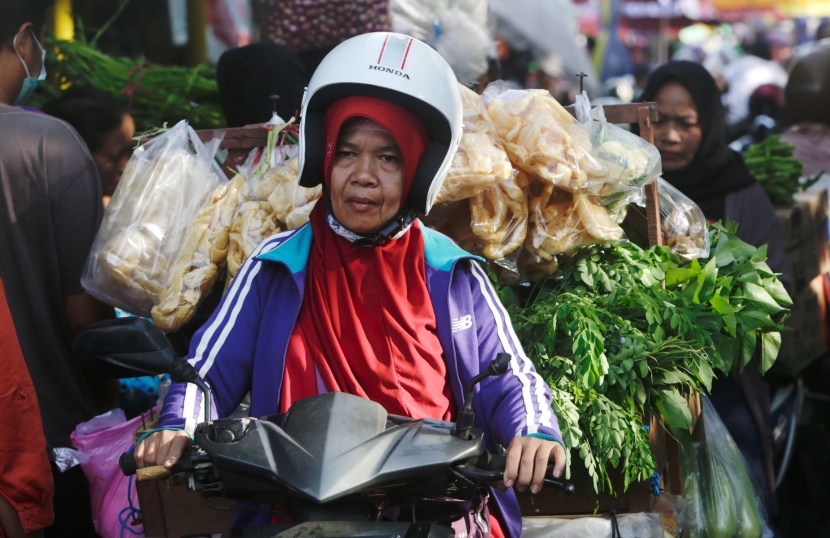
x: 340, y: 464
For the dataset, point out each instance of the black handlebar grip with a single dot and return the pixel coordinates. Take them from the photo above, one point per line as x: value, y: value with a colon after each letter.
x: 566, y: 487
x: 496, y: 462
x: 127, y: 463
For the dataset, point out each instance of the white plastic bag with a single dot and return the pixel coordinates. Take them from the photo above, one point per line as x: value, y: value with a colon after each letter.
x: 641, y: 525
x: 628, y: 161
x: 685, y: 229
x: 161, y: 190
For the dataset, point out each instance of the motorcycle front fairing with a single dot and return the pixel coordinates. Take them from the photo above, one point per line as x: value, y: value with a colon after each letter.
x: 330, y: 446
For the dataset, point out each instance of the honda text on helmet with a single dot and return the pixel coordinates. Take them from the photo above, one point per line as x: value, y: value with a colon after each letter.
x: 399, y: 69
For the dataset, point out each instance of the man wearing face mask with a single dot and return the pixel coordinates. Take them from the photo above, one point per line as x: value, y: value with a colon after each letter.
x: 51, y: 209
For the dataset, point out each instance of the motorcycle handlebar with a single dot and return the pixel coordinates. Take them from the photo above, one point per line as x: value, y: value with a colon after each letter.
x: 129, y: 467
x: 494, y: 470
x: 127, y: 464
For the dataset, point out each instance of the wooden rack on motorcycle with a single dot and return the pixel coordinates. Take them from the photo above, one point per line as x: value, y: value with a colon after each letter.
x: 169, y: 509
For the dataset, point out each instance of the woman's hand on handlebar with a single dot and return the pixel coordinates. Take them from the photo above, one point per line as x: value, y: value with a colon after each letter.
x: 527, y: 459
x: 164, y: 447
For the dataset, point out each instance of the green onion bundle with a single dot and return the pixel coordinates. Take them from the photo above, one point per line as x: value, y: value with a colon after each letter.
x: 156, y: 94
x: 771, y: 161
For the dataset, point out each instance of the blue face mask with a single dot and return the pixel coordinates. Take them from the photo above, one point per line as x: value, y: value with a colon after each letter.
x: 30, y: 82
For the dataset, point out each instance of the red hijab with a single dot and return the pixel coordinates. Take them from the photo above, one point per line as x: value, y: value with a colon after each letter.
x: 367, y: 325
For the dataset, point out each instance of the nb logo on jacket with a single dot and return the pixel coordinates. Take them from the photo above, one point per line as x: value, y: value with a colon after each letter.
x: 462, y: 324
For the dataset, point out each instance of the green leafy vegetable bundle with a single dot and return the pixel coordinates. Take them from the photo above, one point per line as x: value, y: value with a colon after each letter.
x: 772, y: 163
x: 622, y: 333
x: 156, y: 94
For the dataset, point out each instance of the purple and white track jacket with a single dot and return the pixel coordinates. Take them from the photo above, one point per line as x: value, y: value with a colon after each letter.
x: 242, y: 347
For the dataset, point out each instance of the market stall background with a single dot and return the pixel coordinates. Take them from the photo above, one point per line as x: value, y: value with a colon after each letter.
x: 162, y: 33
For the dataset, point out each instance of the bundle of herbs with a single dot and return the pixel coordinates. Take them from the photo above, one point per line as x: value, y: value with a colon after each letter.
x: 155, y: 94
x: 772, y: 162
x: 621, y: 334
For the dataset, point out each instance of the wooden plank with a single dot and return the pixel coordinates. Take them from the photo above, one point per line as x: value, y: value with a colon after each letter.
x: 252, y: 136
x: 552, y: 502
x: 169, y: 509
x: 645, y: 118
x: 627, y: 113
x: 152, y: 509
x: 238, y: 142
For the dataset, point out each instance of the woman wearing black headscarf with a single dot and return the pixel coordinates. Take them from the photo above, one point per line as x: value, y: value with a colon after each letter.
x: 691, y: 136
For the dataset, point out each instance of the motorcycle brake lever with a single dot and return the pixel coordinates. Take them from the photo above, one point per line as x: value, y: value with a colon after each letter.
x: 566, y: 487
x: 494, y: 468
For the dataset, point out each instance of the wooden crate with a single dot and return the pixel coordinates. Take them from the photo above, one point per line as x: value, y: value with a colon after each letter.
x: 552, y: 502
x: 168, y: 509
x: 238, y: 142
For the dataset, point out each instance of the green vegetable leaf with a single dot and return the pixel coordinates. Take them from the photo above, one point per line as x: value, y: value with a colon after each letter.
x: 749, y: 342
x: 761, y: 297
x: 673, y: 377
x: 722, y: 307
x: 675, y: 409
x: 751, y: 319
x: 778, y: 292
x: 732, y: 249
x: 770, y: 346
x: 650, y: 328
x: 706, y: 282
x: 679, y: 275
x: 705, y: 373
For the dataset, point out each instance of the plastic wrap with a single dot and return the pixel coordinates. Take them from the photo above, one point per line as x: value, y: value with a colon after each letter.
x: 456, y: 29
x: 560, y: 174
x: 254, y: 221
x: 270, y: 201
x: 640, y: 525
x: 199, y: 262
x: 718, y: 486
x: 480, y: 161
x: 291, y: 203
x: 498, y: 219
x: 161, y: 190
x: 417, y: 18
x: 480, y: 204
x: 685, y: 229
x: 102, y: 440
x: 628, y: 161
x: 562, y: 221
x: 543, y: 139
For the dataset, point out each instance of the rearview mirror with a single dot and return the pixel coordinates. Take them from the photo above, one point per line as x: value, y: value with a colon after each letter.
x: 125, y: 347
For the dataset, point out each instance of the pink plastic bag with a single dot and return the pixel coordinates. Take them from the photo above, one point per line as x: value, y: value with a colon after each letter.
x: 103, y: 439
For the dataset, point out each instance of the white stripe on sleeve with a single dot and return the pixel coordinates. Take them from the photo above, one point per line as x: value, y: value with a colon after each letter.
x: 546, y: 411
x: 241, y: 286
x: 499, y: 314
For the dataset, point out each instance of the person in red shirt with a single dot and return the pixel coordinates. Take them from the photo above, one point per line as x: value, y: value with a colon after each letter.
x: 26, y: 486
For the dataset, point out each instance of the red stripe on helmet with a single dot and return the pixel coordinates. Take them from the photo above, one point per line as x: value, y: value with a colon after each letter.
x: 383, y: 48
x: 405, y: 54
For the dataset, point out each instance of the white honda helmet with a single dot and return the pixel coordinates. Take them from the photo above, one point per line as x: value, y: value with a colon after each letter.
x: 396, y: 68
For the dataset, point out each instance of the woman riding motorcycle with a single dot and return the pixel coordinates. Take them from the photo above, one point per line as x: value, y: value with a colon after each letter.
x: 364, y: 299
